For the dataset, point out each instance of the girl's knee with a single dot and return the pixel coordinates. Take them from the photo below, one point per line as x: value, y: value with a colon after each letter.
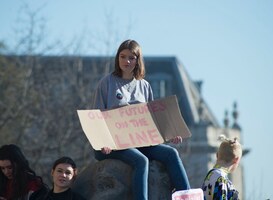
x: 142, y: 160
x: 173, y: 153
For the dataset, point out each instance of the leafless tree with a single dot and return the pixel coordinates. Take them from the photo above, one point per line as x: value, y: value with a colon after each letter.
x: 40, y: 94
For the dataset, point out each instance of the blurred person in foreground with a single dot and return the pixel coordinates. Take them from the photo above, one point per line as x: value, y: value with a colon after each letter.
x: 17, y: 180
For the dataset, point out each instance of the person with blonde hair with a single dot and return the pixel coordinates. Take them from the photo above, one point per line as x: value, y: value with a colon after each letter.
x: 216, y: 185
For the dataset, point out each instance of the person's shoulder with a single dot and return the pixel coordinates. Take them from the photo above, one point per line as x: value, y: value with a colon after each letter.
x: 103, y: 81
x: 105, y: 77
x: 40, y: 194
x: 213, y: 174
x: 34, y: 183
x: 217, y: 175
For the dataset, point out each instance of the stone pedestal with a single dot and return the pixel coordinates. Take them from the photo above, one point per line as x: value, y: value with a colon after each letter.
x: 111, y: 179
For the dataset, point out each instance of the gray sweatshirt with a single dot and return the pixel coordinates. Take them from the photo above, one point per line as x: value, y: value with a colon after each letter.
x: 113, y: 92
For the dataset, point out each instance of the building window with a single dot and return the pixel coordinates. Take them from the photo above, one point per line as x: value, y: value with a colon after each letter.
x: 161, y: 84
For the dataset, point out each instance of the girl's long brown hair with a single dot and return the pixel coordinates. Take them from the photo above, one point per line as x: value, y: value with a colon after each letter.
x: 134, y: 47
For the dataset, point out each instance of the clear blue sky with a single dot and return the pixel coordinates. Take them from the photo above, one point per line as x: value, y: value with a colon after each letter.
x: 228, y: 44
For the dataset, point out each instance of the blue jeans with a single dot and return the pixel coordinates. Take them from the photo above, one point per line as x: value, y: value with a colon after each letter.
x: 139, y: 158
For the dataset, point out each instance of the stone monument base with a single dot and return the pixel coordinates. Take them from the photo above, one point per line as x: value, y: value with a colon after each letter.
x: 111, y: 179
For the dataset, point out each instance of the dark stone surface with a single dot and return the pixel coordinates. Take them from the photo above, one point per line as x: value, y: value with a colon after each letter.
x: 111, y: 179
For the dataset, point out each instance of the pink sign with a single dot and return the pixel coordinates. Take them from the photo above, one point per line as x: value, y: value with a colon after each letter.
x: 192, y: 194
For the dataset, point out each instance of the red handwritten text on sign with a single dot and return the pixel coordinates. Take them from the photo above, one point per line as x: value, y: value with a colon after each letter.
x: 133, y: 122
x: 137, y: 138
x: 138, y: 110
x: 100, y: 115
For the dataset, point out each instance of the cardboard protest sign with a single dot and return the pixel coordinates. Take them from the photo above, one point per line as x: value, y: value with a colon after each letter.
x: 192, y: 194
x: 136, y: 125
